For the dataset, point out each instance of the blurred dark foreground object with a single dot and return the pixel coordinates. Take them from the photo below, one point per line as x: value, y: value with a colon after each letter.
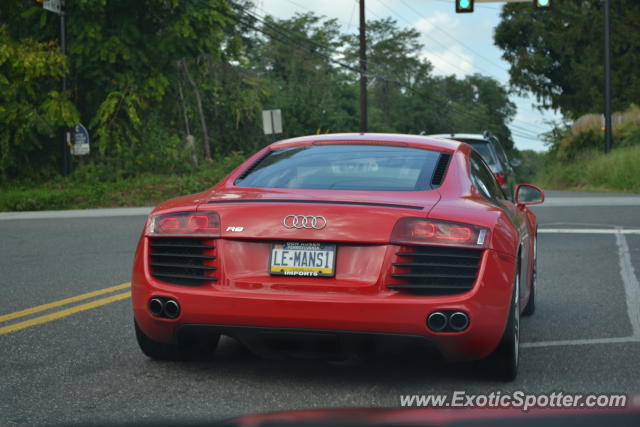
x: 477, y: 417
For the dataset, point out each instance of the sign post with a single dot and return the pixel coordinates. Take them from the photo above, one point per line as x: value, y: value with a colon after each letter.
x: 57, y: 6
x: 80, y: 145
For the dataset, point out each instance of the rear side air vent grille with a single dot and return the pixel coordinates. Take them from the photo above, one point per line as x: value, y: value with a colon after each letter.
x: 440, y: 170
x: 183, y: 260
x: 435, y: 270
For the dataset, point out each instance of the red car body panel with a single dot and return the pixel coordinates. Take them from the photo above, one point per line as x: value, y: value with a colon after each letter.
x: 357, y: 298
x: 459, y: 417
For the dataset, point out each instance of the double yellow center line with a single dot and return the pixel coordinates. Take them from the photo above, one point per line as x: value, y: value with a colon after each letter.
x: 13, y: 327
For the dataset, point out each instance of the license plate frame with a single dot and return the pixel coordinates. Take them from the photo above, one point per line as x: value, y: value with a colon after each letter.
x: 322, y: 255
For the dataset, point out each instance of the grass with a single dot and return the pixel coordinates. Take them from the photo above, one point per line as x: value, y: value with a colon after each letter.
x: 81, y: 192
x: 618, y: 171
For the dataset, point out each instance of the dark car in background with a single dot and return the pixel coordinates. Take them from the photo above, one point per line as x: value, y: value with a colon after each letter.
x: 494, y: 154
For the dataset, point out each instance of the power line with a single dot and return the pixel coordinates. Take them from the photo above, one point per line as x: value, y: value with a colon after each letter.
x: 482, y: 6
x: 438, y: 56
x: 297, y: 42
x: 462, y: 44
x: 353, y: 9
x: 442, y: 30
x: 280, y: 35
x: 284, y: 38
x: 530, y: 138
x: 442, y: 58
x: 442, y: 45
x: 448, y: 102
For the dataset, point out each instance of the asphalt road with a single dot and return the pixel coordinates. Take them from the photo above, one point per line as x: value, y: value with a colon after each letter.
x: 86, y: 366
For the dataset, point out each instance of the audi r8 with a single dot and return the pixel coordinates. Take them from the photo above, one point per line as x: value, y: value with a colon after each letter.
x: 340, y: 239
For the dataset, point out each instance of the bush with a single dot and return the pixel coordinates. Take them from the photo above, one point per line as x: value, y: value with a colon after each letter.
x: 532, y: 163
x: 586, y: 133
x: 573, y: 145
x: 94, y: 186
x: 596, y: 171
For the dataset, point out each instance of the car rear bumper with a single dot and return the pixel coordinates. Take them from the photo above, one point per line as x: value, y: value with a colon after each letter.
x: 211, y: 310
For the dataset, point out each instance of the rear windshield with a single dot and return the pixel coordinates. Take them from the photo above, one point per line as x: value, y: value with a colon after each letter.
x: 484, y: 148
x: 344, y: 167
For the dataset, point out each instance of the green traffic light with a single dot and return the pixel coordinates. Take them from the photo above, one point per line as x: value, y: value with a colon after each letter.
x: 464, y: 6
x: 543, y: 3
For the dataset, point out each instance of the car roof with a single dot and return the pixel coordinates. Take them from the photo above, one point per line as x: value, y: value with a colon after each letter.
x: 415, y: 141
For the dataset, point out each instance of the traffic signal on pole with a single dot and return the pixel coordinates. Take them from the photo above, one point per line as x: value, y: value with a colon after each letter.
x: 542, y: 4
x: 464, y: 6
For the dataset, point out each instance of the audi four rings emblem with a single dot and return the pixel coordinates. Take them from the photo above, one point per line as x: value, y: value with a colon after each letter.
x: 305, y: 221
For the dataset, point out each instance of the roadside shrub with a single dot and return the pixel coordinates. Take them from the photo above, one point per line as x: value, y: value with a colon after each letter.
x: 94, y: 185
x: 596, y: 171
x: 572, y: 145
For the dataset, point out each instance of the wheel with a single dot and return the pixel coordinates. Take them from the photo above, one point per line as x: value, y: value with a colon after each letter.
x: 530, y: 308
x: 196, y: 349
x: 505, y: 359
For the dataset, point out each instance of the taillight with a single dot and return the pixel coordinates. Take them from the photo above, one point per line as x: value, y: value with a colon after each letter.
x: 436, y: 232
x: 206, y: 224
x: 500, y: 178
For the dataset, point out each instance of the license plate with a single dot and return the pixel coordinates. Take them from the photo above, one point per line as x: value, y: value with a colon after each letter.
x: 303, y: 259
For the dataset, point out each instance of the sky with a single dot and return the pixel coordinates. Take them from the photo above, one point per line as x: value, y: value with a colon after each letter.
x: 459, y: 44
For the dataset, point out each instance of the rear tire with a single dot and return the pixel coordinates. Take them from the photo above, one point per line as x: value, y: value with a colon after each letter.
x: 200, y: 349
x: 505, y: 359
x: 530, y: 308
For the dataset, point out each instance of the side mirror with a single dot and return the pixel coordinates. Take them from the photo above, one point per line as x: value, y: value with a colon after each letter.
x: 527, y: 194
x: 515, y: 162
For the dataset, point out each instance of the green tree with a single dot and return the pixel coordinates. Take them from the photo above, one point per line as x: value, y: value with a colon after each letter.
x: 31, y: 107
x: 395, y: 70
x: 406, y: 98
x: 295, y: 56
x: 122, y: 60
x: 558, y: 55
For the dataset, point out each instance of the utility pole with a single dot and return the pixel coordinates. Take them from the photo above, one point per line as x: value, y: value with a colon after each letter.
x: 66, y: 156
x: 57, y: 6
x: 607, y: 77
x: 363, y: 70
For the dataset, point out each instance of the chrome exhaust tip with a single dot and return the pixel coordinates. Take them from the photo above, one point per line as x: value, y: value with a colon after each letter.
x: 156, y: 307
x: 171, y: 309
x: 437, y: 321
x: 459, y: 321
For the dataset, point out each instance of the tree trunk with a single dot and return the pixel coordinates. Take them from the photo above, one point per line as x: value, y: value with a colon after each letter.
x: 189, y: 141
x: 203, y: 122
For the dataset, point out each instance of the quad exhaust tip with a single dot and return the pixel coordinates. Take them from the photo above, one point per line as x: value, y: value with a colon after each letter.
x: 437, y: 321
x: 458, y: 321
x: 171, y: 309
x: 448, y: 321
x: 156, y: 307
x: 164, y: 307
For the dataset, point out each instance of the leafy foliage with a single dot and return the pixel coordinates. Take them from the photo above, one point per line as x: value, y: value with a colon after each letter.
x: 30, y: 107
x: 595, y: 171
x: 558, y: 56
x: 151, y: 76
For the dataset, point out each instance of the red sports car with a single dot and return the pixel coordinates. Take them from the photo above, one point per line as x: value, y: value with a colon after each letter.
x: 340, y: 239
